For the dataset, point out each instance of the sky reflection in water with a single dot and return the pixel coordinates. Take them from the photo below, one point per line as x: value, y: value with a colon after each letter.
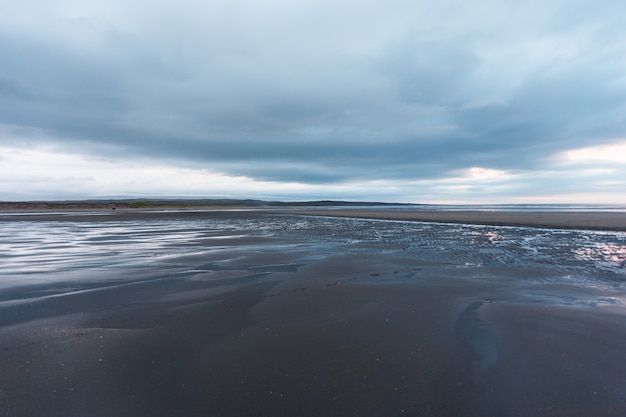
x: 49, y: 251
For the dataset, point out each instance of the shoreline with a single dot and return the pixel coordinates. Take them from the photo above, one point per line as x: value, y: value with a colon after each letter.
x: 597, y: 221
x: 594, y: 221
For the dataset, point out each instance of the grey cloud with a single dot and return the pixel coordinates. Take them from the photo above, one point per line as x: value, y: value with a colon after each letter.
x: 431, y: 72
x: 323, y: 93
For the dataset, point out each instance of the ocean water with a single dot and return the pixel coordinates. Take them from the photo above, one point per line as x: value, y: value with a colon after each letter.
x: 264, y: 314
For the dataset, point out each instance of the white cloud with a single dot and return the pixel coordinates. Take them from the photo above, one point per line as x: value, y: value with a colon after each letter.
x: 610, y: 153
x: 44, y: 173
x: 480, y: 173
x: 58, y: 175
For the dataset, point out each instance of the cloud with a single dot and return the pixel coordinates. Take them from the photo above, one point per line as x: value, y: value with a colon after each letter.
x: 316, y: 93
x: 614, y: 153
x: 101, y: 177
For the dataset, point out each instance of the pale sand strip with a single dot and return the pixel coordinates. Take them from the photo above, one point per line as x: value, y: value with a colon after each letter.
x: 608, y: 221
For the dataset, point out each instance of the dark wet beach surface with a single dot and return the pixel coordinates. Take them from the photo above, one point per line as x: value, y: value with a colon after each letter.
x: 247, y: 314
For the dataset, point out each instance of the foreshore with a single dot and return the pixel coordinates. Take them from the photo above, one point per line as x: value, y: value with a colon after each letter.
x: 607, y: 221
x: 583, y: 220
x: 261, y: 312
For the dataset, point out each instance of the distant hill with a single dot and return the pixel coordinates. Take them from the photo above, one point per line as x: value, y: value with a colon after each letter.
x: 149, y: 203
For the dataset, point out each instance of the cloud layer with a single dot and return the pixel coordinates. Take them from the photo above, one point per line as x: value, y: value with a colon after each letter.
x: 400, y: 100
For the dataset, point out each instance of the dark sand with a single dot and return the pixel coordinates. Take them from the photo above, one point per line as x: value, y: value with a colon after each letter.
x: 615, y: 221
x: 609, y: 221
x: 367, y: 332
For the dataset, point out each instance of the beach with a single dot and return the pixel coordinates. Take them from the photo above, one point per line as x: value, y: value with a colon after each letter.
x: 312, y: 313
x: 583, y: 220
x: 554, y: 219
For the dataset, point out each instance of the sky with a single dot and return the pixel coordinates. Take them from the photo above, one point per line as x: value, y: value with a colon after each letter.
x: 489, y: 101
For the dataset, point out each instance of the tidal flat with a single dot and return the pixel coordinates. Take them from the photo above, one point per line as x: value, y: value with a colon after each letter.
x: 249, y: 313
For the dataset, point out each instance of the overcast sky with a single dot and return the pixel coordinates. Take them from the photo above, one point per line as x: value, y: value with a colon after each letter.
x: 397, y: 100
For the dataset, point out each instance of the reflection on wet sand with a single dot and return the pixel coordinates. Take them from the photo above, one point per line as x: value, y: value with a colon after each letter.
x: 477, y: 345
x: 266, y: 315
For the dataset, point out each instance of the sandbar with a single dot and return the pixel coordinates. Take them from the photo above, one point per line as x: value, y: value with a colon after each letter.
x: 575, y: 220
x: 608, y: 221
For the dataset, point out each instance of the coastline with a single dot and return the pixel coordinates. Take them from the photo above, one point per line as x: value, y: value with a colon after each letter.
x: 595, y: 221
x: 600, y: 221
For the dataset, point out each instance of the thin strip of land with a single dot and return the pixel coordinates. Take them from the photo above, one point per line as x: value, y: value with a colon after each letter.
x: 120, y: 210
x: 607, y: 221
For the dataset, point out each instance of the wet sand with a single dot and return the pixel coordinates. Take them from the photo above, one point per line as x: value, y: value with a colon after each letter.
x: 609, y: 221
x: 268, y: 325
x: 615, y: 221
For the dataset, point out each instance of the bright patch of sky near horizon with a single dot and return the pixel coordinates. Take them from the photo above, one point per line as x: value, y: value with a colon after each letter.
x: 407, y: 101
